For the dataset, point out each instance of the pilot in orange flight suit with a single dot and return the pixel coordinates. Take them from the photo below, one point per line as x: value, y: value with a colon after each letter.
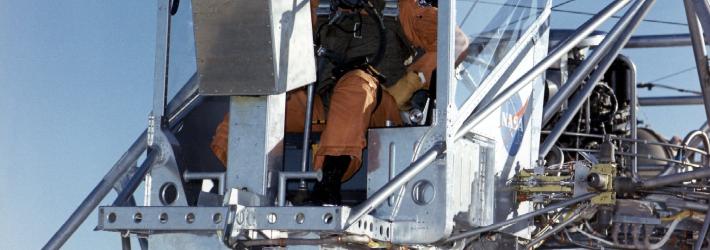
x: 353, y: 106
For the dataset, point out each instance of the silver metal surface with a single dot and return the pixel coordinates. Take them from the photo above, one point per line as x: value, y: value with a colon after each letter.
x: 670, y: 100
x: 255, y: 150
x: 285, y: 176
x: 164, y: 175
x: 699, y: 50
x: 387, y: 190
x: 247, y: 47
x: 588, y: 65
x: 576, y: 103
x: 148, y: 219
x: 162, y: 60
x: 330, y: 219
x: 553, y: 56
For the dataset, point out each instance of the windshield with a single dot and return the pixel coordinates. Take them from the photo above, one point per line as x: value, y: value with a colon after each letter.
x: 493, y: 28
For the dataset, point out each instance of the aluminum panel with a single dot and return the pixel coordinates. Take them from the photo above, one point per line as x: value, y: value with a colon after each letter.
x: 247, y: 47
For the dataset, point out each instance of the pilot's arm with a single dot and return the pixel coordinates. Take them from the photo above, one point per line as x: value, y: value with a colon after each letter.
x: 419, y: 25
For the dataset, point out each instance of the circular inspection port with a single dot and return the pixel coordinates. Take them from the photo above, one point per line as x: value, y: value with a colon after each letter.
x: 423, y: 192
x: 163, y: 218
x: 217, y: 218
x: 300, y: 218
x: 190, y: 218
x: 137, y: 217
x: 111, y: 217
x: 271, y: 218
x: 327, y: 218
x: 168, y: 193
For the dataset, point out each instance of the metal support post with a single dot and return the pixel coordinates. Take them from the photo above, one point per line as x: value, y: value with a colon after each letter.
x: 162, y: 58
x: 255, y: 151
x: 699, y: 52
x: 588, y: 65
x: 559, y: 51
x: 307, y: 133
x: 392, y: 186
x: 577, y: 101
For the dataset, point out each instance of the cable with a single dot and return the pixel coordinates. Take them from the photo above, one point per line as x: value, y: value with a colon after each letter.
x: 650, y: 87
x: 673, y: 74
x: 558, y: 5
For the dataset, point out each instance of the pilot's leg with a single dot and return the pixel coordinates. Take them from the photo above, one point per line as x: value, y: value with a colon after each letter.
x: 295, y: 113
x: 340, y: 152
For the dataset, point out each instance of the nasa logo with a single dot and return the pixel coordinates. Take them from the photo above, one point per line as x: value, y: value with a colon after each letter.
x: 513, y: 121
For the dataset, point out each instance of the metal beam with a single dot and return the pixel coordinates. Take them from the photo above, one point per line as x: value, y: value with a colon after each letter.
x: 576, y: 103
x: 559, y: 51
x: 659, y: 41
x: 699, y: 51
x: 671, y: 100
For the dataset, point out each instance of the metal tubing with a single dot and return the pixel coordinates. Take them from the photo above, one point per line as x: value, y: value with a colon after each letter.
x: 659, y: 41
x: 676, y: 178
x: 307, y: 132
x: 554, y: 230
x: 671, y: 100
x: 137, y: 178
x: 633, y: 103
x: 701, y: 59
x: 577, y: 101
x: 183, y: 101
x: 547, y: 209
x: 588, y: 65
x: 702, y: 10
x: 392, y: 186
x: 162, y: 60
x: 219, y: 176
x: 559, y: 51
x: 285, y: 176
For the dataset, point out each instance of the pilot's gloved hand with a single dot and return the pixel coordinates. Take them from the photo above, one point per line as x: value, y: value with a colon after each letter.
x: 406, y: 86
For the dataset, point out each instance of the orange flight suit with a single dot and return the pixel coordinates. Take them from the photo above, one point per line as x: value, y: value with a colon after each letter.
x: 351, y: 111
x: 419, y: 25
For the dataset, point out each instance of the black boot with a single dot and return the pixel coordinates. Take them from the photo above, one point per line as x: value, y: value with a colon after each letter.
x: 327, y: 191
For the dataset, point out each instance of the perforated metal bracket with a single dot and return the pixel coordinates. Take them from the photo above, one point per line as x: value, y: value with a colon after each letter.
x: 376, y: 229
x: 292, y: 218
x: 151, y: 219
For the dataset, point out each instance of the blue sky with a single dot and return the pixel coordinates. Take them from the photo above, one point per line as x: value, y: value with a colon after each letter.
x: 76, y: 88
